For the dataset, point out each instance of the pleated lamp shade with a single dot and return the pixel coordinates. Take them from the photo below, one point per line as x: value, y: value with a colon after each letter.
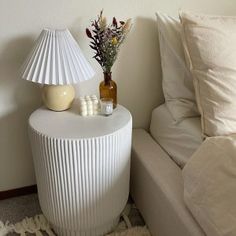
x: 56, y: 59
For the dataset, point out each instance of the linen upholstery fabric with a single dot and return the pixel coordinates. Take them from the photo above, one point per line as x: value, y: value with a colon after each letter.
x: 177, y: 80
x: 210, y: 186
x: 179, y: 139
x: 210, y: 48
x: 157, y: 189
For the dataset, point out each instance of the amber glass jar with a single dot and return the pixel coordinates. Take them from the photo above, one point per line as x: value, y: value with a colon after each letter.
x: 108, y: 88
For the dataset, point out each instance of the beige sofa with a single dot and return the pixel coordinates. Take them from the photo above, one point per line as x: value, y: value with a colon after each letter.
x: 157, y: 189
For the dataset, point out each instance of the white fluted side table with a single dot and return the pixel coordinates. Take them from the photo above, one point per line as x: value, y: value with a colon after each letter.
x: 82, y: 167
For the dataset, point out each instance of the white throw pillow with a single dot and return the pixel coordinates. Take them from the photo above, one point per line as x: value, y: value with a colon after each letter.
x: 210, y: 44
x: 177, y: 80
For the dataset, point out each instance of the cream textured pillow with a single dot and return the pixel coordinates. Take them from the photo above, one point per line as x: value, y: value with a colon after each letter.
x: 210, y: 46
x: 177, y: 80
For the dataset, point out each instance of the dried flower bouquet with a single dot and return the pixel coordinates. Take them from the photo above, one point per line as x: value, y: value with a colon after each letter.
x: 107, y: 39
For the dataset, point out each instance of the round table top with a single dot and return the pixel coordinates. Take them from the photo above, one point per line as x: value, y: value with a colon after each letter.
x: 71, y: 125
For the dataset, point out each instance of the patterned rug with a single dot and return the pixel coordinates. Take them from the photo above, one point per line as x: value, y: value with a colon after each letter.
x: 13, y: 213
x: 39, y: 226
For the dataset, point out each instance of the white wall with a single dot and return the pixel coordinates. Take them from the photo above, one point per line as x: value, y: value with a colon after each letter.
x: 137, y: 70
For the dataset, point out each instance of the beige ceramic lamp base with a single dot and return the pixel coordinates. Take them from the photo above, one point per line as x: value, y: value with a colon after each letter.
x: 58, y: 97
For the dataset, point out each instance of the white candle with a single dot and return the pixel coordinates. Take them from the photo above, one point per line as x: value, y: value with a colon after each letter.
x: 106, y: 106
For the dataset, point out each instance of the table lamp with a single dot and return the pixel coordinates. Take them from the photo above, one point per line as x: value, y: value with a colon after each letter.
x: 56, y: 62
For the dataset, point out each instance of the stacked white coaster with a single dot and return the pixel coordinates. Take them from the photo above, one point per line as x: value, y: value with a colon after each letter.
x: 89, y: 105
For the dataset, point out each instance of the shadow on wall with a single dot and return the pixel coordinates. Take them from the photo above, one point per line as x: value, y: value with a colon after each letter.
x: 18, y: 98
x: 139, y: 72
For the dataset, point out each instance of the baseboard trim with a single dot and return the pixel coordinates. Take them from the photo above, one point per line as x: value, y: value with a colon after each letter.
x: 18, y: 192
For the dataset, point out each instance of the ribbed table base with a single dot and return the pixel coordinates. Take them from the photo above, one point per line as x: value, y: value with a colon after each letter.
x: 101, y: 230
x: 83, y: 184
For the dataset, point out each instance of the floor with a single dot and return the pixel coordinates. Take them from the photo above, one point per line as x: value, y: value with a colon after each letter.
x: 15, y: 209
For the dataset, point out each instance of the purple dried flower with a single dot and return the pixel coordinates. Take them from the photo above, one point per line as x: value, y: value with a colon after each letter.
x: 89, y: 33
x: 114, y: 22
